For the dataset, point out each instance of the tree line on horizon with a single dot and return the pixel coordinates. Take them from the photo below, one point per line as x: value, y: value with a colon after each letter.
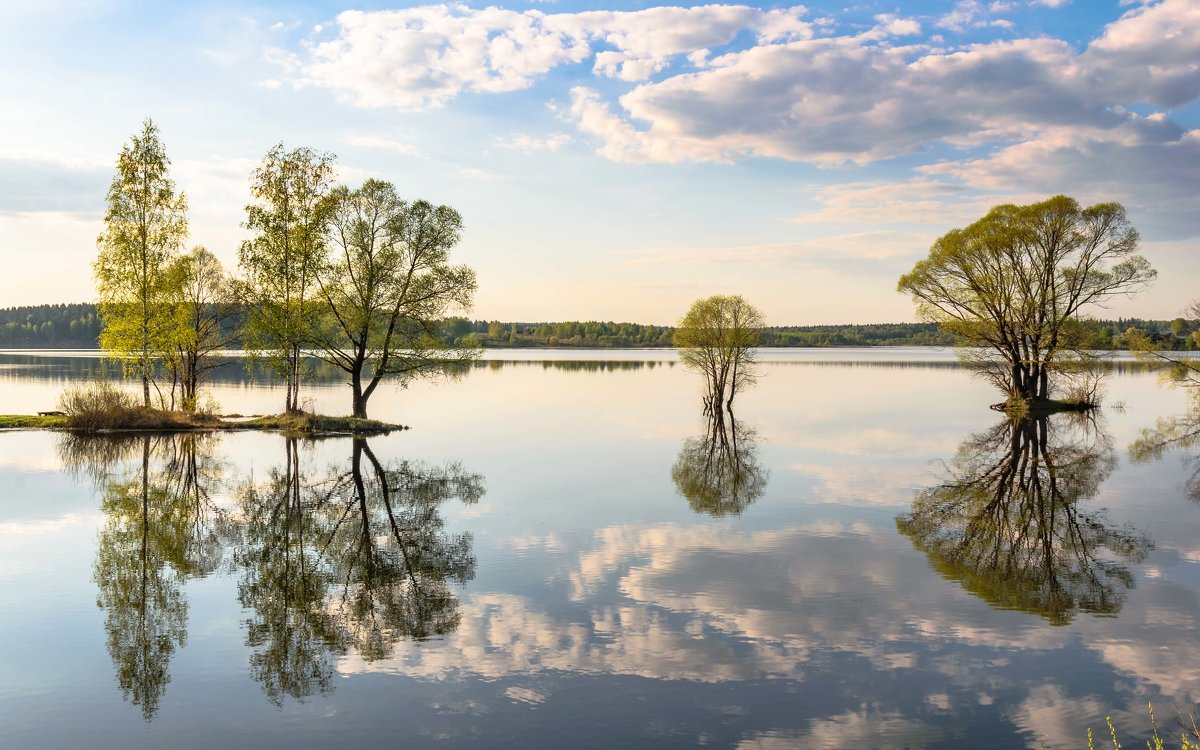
x: 78, y: 325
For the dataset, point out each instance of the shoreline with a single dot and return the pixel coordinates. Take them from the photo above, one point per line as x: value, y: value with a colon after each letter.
x: 313, y: 425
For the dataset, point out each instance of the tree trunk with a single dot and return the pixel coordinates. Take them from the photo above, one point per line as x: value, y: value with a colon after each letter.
x: 360, y: 399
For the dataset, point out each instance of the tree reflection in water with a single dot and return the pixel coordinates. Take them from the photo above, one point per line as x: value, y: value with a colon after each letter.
x: 718, y: 472
x: 1173, y: 433
x: 357, y: 559
x: 160, y: 528
x: 283, y: 583
x: 352, y: 559
x: 1006, y: 522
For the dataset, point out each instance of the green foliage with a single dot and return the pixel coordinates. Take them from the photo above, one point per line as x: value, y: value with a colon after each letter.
x: 144, y: 228
x: 1189, y: 737
x: 1016, y: 281
x: 717, y: 338
x: 155, y: 535
x: 357, y: 559
x: 388, y: 287
x: 27, y: 422
x: 204, y: 299
x: 280, y: 262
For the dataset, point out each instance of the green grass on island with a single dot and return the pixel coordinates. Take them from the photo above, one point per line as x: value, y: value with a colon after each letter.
x: 157, y: 420
x: 30, y: 422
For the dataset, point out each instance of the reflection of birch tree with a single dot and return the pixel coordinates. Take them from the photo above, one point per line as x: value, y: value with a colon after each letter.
x: 355, y: 560
x: 159, y: 529
x: 1006, y: 522
x: 284, y: 586
x: 718, y: 472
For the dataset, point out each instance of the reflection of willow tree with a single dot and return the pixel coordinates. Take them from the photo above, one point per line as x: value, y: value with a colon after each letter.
x: 160, y: 528
x: 718, y: 472
x: 1173, y: 433
x: 358, y: 559
x: 389, y: 555
x: 1006, y: 523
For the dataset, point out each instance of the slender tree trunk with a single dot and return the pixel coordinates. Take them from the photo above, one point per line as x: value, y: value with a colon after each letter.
x: 360, y: 399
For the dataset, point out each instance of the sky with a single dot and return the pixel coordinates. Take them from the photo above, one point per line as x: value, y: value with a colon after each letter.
x: 617, y: 160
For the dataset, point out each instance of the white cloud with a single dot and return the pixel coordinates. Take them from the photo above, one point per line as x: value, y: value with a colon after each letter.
x: 1151, y: 54
x: 530, y: 144
x: 474, y: 173
x: 800, y: 92
x: 385, y: 144
x: 964, y: 14
x: 824, y: 252
x: 896, y: 26
x: 863, y: 728
x: 425, y: 56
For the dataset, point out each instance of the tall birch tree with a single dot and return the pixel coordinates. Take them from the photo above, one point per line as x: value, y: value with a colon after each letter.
x: 279, y: 263
x: 145, y: 225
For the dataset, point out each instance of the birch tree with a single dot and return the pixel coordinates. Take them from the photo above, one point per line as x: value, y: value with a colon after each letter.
x: 145, y: 225
x: 279, y: 263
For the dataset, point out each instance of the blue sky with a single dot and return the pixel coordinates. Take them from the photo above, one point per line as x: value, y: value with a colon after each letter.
x: 618, y: 160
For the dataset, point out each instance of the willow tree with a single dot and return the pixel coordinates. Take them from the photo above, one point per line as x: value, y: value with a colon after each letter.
x: 717, y: 338
x: 279, y: 263
x: 389, y: 286
x: 145, y: 225
x: 1015, y: 282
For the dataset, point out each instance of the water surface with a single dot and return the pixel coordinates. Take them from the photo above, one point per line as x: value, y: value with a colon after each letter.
x: 548, y: 558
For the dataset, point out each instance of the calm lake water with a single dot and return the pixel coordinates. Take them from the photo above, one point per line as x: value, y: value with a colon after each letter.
x: 557, y: 554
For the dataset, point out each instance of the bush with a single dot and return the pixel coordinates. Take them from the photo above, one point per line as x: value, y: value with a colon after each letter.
x: 94, y: 399
x: 99, y: 406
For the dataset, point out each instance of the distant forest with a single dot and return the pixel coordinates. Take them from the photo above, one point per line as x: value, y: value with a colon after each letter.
x: 77, y: 326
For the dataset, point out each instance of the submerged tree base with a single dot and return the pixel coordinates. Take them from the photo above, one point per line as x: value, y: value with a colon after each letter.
x: 1041, y: 407
x: 157, y: 420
